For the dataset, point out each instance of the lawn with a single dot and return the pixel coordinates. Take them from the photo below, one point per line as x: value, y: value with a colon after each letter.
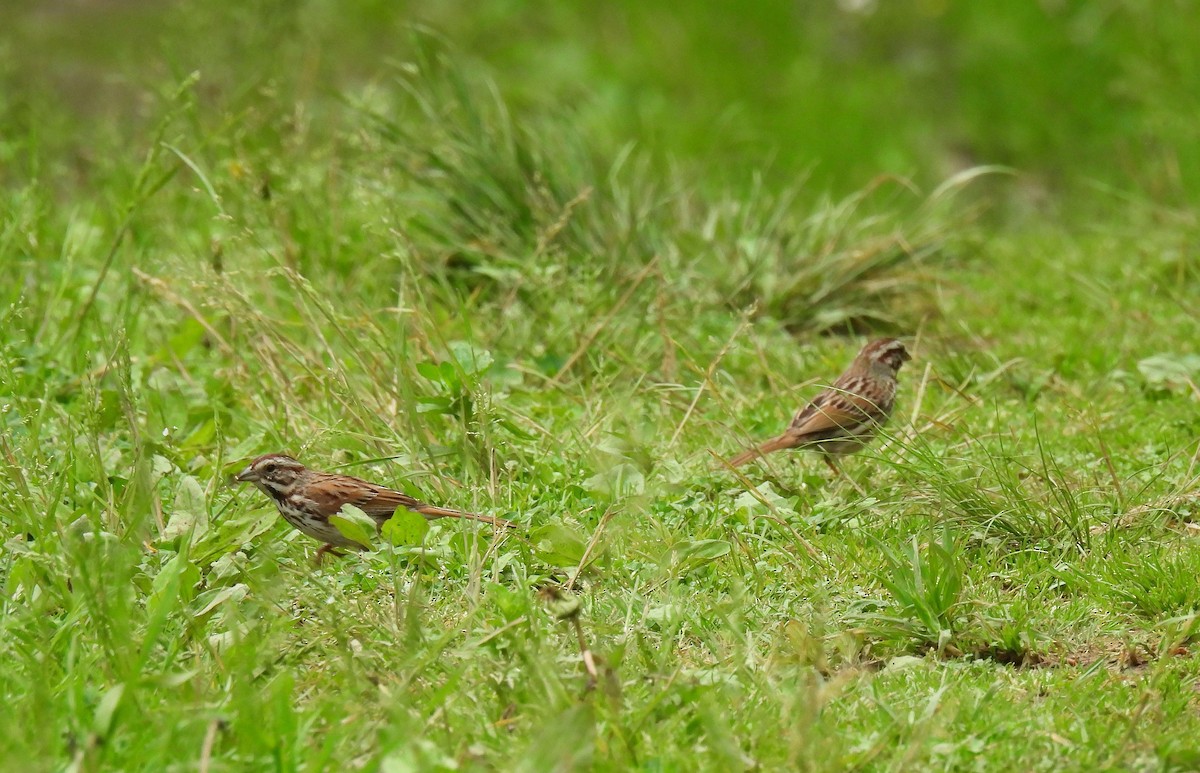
x: 553, y: 263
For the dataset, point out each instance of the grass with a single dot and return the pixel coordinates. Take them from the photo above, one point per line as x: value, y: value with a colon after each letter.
x: 520, y: 282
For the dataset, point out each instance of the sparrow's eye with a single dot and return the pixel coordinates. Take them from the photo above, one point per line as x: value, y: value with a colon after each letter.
x: 270, y: 468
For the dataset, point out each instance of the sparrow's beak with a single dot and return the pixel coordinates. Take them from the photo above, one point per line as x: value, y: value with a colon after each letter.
x: 247, y: 475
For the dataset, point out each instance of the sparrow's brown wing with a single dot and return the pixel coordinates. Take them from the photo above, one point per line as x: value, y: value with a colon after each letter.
x: 331, y: 493
x: 838, y: 412
x: 381, y: 503
x: 834, y: 413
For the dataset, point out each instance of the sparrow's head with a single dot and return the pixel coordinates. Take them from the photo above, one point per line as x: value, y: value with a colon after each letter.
x: 272, y: 472
x: 886, y: 353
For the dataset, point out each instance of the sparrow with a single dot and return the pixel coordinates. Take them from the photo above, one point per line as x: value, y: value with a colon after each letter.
x: 307, y: 498
x: 846, y: 416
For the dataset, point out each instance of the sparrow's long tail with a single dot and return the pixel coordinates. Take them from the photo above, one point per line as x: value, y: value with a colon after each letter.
x: 431, y: 512
x: 774, y: 444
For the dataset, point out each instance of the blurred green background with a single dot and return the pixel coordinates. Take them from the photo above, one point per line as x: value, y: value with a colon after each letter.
x: 1077, y: 96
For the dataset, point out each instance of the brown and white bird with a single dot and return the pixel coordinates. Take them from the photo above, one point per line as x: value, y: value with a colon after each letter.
x: 846, y: 416
x: 306, y: 498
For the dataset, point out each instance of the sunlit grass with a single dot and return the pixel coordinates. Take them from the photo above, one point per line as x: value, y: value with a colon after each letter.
x: 435, y: 280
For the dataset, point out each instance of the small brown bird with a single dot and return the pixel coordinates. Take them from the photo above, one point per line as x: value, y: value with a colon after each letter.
x: 846, y: 416
x: 306, y: 498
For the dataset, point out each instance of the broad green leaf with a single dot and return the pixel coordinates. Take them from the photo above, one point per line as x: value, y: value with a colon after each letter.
x: 620, y: 480
x: 419, y: 755
x: 466, y: 543
x: 510, y: 603
x: 1170, y: 370
x: 754, y: 505
x: 557, y: 545
x: 430, y: 371
x: 702, y: 551
x: 172, y: 588
x: 450, y: 376
x: 473, y: 361
x: 355, y: 525
x: 550, y: 364
x: 214, y: 598
x: 102, y: 722
x: 187, y: 335
x: 515, y: 430
x: 435, y: 404
x: 189, y: 514
x: 160, y: 467
x: 201, y: 436
x: 405, y: 528
x: 22, y: 577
